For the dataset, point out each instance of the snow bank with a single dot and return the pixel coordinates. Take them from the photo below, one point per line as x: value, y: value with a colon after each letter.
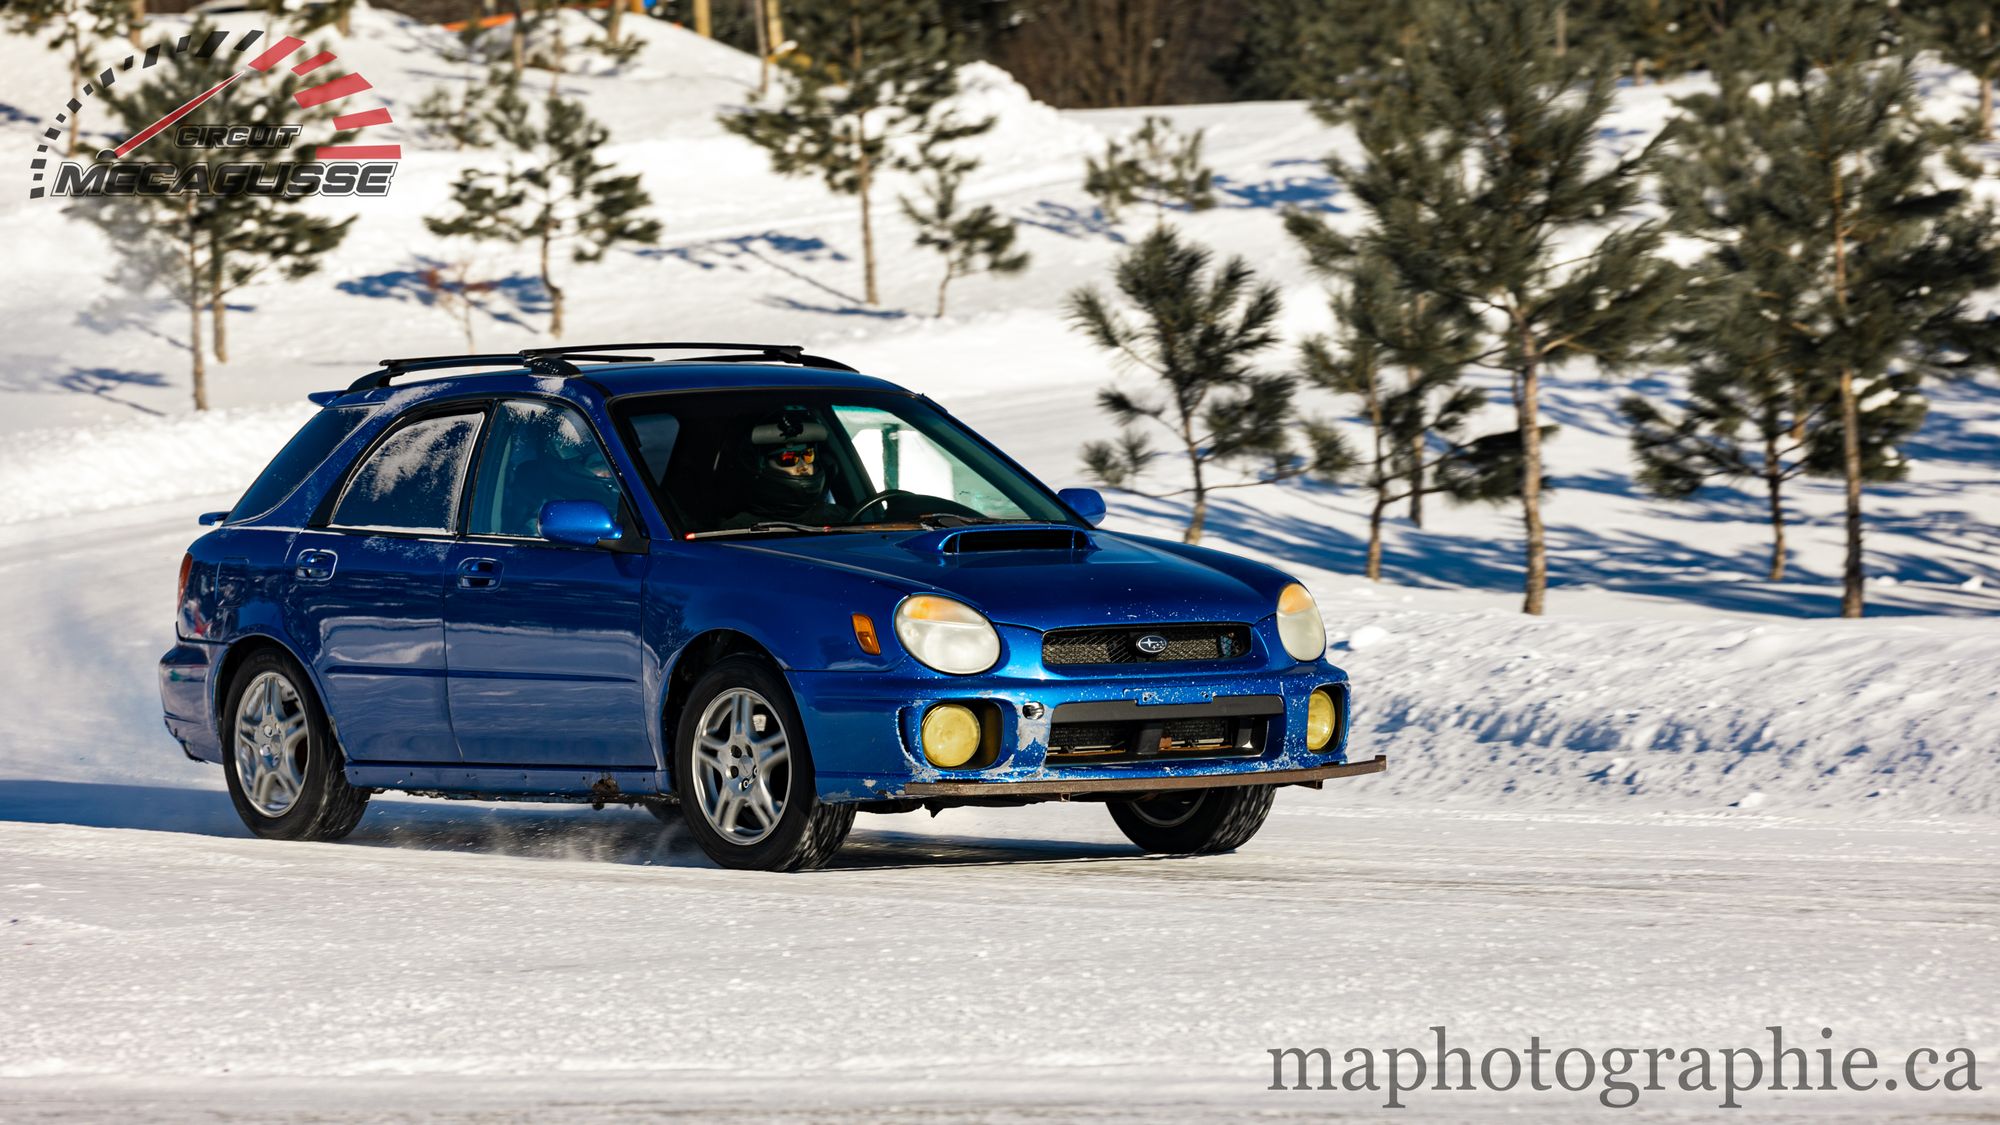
x: 1495, y: 707
x: 65, y: 472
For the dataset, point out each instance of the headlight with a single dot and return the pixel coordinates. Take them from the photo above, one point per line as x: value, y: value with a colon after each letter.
x: 948, y: 635
x: 1299, y: 623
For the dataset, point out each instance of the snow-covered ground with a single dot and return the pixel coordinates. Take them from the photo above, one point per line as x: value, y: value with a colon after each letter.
x: 1677, y: 810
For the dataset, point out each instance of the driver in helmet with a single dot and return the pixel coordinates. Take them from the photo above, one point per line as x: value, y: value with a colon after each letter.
x: 782, y: 458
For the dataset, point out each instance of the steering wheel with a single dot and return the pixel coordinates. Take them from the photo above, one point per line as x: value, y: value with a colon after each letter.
x: 885, y: 494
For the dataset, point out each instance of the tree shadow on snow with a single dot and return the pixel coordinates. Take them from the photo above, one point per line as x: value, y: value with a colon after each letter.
x: 501, y: 300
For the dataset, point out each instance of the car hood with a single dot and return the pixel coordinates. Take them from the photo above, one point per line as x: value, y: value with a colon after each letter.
x: 1113, y: 579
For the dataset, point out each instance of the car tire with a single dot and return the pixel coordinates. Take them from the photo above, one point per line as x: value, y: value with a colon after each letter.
x: 286, y: 774
x: 750, y: 800
x: 1195, y: 821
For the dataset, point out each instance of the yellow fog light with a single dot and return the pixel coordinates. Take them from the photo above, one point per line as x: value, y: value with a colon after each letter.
x: 950, y: 735
x: 1319, y: 721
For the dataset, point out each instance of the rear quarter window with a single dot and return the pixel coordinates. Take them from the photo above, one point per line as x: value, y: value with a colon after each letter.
x: 307, y: 451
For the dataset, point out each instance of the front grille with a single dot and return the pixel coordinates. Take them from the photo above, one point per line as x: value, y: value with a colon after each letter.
x: 1121, y: 644
x: 1092, y: 742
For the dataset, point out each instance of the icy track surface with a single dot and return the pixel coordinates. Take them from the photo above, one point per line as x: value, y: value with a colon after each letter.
x: 535, y: 965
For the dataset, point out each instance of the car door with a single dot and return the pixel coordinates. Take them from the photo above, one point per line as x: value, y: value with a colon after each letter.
x: 543, y: 640
x: 369, y: 587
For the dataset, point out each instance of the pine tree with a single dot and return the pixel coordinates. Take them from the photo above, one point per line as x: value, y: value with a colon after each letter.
x: 1852, y: 184
x: 553, y: 190
x: 1198, y: 329
x: 77, y: 29
x: 1157, y: 165
x: 1330, y: 51
x: 1480, y: 174
x: 1966, y: 33
x: 970, y: 241
x: 201, y: 247
x: 1416, y: 420
x: 869, y: 81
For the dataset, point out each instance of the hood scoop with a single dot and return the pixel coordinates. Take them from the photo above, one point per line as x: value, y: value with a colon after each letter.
x: 989, y: 540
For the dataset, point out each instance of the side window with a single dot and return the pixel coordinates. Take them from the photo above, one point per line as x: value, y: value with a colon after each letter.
x: 538, y: 452
x: 294, y: 463
x: 412, y: 480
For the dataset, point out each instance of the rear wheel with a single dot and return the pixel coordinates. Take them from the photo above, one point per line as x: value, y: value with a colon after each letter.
x: 1195, y: 821
x: 286, y: 775
x: 744, y: 774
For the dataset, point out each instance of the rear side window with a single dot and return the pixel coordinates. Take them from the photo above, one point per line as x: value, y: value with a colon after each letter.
x: 411, y: 481
x: 306, y: 451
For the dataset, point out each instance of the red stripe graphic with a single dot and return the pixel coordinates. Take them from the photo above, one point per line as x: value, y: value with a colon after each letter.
x: 377, y: 116
x: 153, y: 130
x: 277, y: 54
x: 359, y: 152
x: 340, y: 87
x: 314, y: 63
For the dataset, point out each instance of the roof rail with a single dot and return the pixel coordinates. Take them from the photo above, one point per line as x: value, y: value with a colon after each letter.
x: 544, y: 365
x: 557, y: 361
x: 733, y: 353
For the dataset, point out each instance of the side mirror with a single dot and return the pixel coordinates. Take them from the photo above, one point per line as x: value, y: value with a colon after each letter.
x: 210, y: 519
x: 578, y: 523
x: 1085, y: 502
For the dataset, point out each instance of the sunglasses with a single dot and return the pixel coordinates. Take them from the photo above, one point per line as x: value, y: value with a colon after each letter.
x: 788, y: 458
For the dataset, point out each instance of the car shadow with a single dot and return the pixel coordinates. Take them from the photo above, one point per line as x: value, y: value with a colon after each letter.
x: 617, y: 834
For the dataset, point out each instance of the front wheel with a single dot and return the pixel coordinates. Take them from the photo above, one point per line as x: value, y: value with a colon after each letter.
x: 744, y: 774
x: 286, y: 774
x: 1195, y: 821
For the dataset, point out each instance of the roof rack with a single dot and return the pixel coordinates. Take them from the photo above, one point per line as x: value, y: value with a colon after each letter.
x: 558, y: 361
x: 729, y: 353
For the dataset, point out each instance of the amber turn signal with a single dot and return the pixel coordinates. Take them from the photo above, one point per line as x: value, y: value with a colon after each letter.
x: 864, y: 635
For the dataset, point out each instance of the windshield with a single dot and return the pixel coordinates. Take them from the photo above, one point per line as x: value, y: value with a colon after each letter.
x: 798, y: 461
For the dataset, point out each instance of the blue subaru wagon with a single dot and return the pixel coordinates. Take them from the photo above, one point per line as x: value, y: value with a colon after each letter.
x: 754, y: 583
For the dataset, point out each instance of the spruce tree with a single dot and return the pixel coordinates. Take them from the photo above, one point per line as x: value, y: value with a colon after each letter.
x: 1481, y: 175
x: 973, y: 240
x: 552, y: 190
x: 1196, y: 332
x: 868, y: 83
x: 1867, y: 200
x: 1966, y: 34
x: 1157, y: 165
x: 76, y: 28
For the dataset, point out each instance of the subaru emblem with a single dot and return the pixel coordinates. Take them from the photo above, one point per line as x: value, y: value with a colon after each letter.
x: 1152, y: 644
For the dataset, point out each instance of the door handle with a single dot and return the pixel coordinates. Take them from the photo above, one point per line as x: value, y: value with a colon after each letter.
x: 478, y: 574
x: 316, y: 565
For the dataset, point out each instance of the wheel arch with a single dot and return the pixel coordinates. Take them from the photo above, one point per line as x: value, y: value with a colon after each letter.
x: 242, y: 649
x: 696, y: 657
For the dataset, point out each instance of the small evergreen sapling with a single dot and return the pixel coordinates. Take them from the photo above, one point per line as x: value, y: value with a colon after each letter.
x: 1196, y: 330
x: 1158, y: 165
x: 553, y: 191
x: 868, y: 85
x: 970, y: 241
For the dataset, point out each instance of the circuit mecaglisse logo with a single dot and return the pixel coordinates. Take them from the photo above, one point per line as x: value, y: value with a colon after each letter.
x: 332, y: 170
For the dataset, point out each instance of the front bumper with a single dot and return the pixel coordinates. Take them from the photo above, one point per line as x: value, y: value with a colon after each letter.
x: 864, y: 728
x: 1063, y: 789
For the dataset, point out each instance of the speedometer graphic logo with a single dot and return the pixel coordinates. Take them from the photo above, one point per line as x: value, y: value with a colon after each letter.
x: 198, y: 141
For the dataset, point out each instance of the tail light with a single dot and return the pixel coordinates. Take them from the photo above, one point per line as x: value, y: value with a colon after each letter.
x: 181, y: 587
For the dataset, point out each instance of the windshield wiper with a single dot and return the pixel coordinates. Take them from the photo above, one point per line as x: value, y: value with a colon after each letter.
x: 953, y: 519
x: 762, y: 528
